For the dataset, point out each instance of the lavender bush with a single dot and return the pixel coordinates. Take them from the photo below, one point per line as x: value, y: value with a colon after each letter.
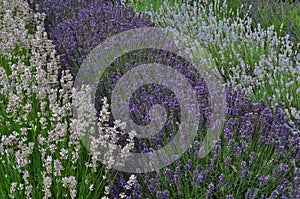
x: 40, y: 149
x: 256, y: 157
x: 77, y: 27
x: 263, y: 12
x: 272, y: 12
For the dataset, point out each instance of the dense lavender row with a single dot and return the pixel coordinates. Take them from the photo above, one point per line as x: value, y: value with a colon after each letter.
x: 77, y: 27
x: 147, y: 96
x: 256, y: 157
x: 40, y: 149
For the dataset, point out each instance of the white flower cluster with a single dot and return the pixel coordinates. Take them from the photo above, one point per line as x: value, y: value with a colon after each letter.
x: 128, y: 186
x: 256, y: 61
x: 130, y: 182
x: 71, y: 183
x: 100, y: 135
x: 36, y: 110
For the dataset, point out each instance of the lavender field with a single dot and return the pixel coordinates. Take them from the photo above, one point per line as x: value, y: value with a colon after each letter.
x: 49, y: 150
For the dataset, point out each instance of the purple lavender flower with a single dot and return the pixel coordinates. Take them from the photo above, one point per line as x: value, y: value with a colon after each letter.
x: 229, y: 197
x: 230, y: 144
x: 209, y: 190
x: 248, y: 194
x: 228, y: 131
x: 252, y: 157
x: 177, y: 181
x: 262, y: 196
x: 163, y: 194
x: 238, y: 151
x: 167, y: 174
x: 297, y: 181
x: 189, y: 165
x: 221, y: 182
x: 221, y: 178
x: 217, y: 147
x: 256, y: 115
x: 244, y: 169
x: 262, y: 181
x: 228, y: 185
x: 188, y: 168
x: 282, y: 188
x: 152, y: 185
x: 280, y: 170
x: 228, y: 161
x: 197, y: 178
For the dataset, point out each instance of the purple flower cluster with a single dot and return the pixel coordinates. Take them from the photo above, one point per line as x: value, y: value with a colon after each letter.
x: 76, y: 27
x: 249, y: 165
x: 147, y: 96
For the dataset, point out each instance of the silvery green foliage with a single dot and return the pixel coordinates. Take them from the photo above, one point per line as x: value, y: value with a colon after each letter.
x: 253, y: 60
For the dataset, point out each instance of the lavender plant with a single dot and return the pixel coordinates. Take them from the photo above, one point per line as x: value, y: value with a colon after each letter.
x: 257, y: 156
x: 276, y: 13
x: 256, y: 61
x: 40, y: 148
x: 262, y: 12
x: 77, y: 27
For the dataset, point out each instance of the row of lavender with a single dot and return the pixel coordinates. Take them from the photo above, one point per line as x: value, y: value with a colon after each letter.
x: 256, y: 157
x: 41, y: 152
